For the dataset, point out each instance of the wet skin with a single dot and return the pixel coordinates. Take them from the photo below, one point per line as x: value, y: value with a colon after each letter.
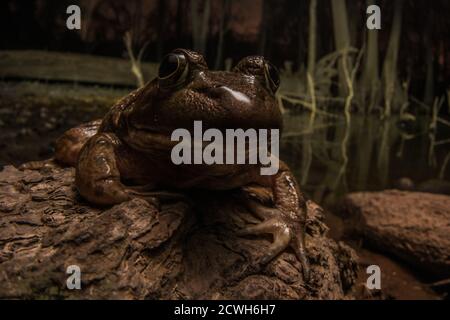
x: 127, y: 154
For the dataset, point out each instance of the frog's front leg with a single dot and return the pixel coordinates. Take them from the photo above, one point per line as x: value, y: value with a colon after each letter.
x: 97, y: 174
x: 103, y: 162
x: 285, y: 221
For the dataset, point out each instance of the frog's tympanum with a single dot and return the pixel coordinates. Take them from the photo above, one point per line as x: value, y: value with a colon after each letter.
x: 127, y: 154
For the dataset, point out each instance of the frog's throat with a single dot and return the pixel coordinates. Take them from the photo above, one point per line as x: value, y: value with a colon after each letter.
x: 147, y: 140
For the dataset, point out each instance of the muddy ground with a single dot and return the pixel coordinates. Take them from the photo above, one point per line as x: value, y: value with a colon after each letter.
x: 33, y: 115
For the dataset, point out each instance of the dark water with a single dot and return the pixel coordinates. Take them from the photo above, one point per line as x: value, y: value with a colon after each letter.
x: 331, y: 159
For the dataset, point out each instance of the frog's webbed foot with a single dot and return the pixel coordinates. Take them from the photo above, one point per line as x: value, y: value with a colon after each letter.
x: 284, y: 231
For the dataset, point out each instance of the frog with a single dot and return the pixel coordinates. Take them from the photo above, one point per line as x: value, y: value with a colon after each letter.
x: 128, y: 153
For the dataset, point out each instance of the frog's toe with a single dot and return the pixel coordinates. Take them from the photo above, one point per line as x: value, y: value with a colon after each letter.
x: 284, y: 231
x: 281, y: 236
x: 147, y: 196
x: 103, y: 192
x: 298, y: 246
x: 262, y: 211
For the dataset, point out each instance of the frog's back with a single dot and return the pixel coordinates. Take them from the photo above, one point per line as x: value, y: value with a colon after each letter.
x: 69, y: 145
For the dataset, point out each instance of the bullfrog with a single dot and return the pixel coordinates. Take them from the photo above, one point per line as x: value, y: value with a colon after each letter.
x: 127, y: 153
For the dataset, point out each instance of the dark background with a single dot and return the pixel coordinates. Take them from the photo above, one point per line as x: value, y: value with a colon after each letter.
x: 275, y: 29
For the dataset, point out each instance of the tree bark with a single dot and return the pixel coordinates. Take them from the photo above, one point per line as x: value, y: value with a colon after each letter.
x: 181, y: 250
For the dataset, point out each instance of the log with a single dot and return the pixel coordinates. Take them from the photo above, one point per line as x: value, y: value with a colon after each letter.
x: 412, y: 226
x: 70, y: 67
x: 181, y: 250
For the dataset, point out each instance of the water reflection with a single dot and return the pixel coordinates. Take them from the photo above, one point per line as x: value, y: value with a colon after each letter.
x: 331, y: 159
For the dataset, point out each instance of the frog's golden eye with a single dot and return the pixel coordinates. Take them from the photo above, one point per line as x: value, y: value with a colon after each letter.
x: 173, y: 70
x: 272, y: 76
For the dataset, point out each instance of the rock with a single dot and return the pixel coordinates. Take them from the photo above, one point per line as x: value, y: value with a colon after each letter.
x: 412, y: 226
x: 133, y: 251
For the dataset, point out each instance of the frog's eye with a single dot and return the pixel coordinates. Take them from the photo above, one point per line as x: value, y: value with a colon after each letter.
x: 173, y: 70
x: 272, y: 76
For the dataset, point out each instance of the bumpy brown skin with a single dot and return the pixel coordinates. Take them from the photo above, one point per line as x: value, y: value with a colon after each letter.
x: 132, y: 147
